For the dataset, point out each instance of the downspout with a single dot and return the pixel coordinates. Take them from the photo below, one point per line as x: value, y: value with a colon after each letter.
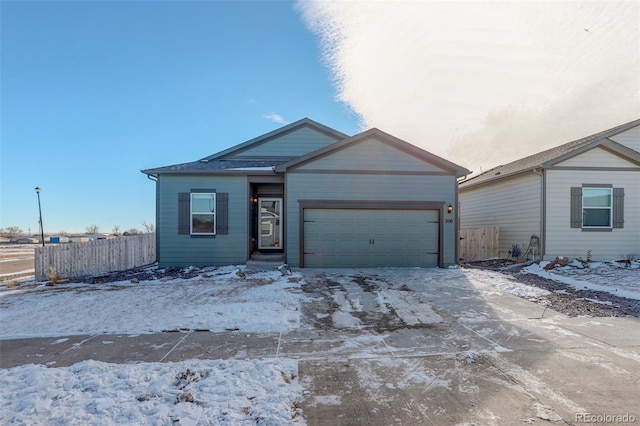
x: 543, y: 217
x: 155, y: 178
x: 456, y: 251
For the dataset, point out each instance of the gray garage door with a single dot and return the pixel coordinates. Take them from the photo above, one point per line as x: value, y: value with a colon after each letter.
x: 345, y: 238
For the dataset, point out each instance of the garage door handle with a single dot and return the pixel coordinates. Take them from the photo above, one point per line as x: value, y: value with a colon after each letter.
x: 372, y: 241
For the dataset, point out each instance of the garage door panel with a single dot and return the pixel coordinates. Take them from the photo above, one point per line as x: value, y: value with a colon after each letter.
x: 368, y: 238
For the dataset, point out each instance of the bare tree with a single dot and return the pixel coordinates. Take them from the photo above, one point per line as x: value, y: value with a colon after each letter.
x: 116, y: 230
x: 11, y: 231
x: 149, y: 227
x: 92, y: 229
x: 132, y: 231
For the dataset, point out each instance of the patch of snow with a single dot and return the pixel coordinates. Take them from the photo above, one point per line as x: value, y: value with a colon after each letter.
x: 248, y: 169
x: 505, y: 283
x: 601, y: 302
x: 374, y: 374
x: 342, y: 319
x: 328, y: 399
x: 26, y: 271
x: 382, y: 302
x: 412, y: 313
x: 188, y: 392
x: 261, y: 302
x: 599, y: 276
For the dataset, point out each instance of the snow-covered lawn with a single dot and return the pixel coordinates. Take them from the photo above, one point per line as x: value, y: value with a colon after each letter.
x: 619, y: 279
x: 192, y: 392
x: 215, y: 300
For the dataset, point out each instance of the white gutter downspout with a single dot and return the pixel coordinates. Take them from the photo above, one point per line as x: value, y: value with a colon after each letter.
x: 543, y: 218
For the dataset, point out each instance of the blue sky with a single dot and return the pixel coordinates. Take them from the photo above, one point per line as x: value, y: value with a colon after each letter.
x: 92, y: 92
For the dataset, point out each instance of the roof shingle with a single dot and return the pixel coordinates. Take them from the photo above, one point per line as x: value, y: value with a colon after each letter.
x: 537, y: 160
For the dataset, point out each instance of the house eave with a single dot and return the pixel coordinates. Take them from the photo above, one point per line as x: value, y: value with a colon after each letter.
x: 463, y: 187
x: 213, y: 172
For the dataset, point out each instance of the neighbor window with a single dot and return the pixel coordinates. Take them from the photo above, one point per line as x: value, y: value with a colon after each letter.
x: 203, y: 213
x: 597, y: 207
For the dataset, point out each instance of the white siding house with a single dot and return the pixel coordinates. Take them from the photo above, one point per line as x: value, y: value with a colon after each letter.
x: 578, y: 198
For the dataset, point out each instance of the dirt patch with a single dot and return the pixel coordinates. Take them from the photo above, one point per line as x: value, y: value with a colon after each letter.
x: 493, y: 264
x: 564, y: 298
x: 574, y: 302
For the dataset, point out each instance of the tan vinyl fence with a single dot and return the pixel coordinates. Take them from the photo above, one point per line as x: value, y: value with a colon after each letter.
x: 94, y: 258
x: 479, y: 243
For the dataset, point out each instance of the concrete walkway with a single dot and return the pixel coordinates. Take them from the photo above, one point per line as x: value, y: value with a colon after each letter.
x: 511, y: 362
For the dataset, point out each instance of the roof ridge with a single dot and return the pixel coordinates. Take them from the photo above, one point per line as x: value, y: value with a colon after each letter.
x: 554, y: 152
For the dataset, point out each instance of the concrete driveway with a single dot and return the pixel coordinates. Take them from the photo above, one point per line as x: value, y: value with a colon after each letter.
x: 376, y: 347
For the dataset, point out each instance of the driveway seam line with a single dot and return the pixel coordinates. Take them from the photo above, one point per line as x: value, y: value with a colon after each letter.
x: 175, y: 346
x: 587, y: 336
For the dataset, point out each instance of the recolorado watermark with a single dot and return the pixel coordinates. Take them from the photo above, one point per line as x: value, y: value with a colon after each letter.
x: 605, y: 418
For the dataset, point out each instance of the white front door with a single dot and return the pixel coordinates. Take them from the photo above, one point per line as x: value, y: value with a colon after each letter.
x: 270, y: 223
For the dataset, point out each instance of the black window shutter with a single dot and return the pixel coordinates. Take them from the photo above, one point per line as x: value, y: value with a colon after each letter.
x: 618, y: 207
x: 576, y: 207
x: 222, y: 213
x: 184, y: 211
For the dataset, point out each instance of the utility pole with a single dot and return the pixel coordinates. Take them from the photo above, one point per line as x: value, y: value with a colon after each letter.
x: 40, y: 212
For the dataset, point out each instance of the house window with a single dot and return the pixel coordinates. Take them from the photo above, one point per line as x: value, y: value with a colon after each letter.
x: 597, y: 208
x: 203, y: 213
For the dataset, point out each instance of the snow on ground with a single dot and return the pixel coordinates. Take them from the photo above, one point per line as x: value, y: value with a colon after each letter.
x: 218, y: 300
x: 27, y: 274
x: 10, y: 250
x: 621, y: 280
x: 504, y: 283
x: 191, y: 392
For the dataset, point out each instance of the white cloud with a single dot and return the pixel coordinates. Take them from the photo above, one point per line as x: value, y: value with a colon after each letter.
x: 275, y: 118
x: 483, y: 83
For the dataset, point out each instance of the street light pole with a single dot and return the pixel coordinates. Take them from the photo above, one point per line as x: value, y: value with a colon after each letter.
x: 40, y: 211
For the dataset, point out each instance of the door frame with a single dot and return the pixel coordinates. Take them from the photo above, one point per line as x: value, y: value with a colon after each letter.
x: 280, y: 225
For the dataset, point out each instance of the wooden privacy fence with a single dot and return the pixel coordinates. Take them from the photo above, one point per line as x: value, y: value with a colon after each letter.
x: 479, y: 243
x: 94, y: 258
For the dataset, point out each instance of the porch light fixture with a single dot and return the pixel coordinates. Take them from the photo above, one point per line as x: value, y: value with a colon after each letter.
x: 450, y: 209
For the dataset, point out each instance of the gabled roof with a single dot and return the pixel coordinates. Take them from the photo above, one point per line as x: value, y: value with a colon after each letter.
x: 214, y: 164
x: 304, y: 122
x: 384, y: 137
x: 548, y: 158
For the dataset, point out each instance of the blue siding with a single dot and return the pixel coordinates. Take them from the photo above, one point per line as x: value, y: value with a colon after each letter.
x: 370, y: 154
x: 293, y: 144
x: 367, y: 187
x: 183, y: 250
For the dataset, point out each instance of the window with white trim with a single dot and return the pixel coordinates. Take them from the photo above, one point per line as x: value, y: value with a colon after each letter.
x: 597, y: 207
x: 203, y: 213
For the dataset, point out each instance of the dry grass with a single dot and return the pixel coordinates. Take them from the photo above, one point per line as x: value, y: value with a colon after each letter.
x: 54, y: 275
x: 13, y: 284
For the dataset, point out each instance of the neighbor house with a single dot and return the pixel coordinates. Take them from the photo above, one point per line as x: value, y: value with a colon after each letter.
x: 578, y: 199
x: 310, y: 196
